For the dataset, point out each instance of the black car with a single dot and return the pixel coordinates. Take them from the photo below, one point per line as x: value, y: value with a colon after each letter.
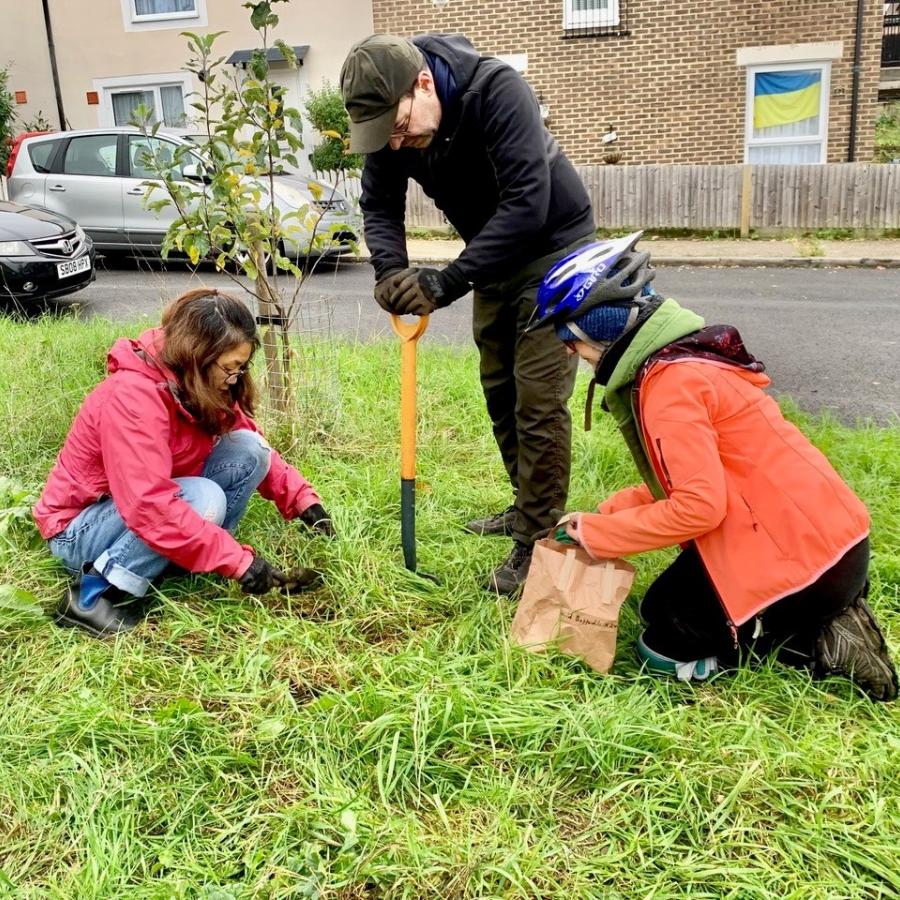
x: 42, y: 254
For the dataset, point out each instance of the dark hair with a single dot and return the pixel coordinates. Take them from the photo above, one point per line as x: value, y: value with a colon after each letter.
x: 199, y: 327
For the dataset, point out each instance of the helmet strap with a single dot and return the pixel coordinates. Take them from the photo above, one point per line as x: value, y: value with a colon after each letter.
x: 602, y: 346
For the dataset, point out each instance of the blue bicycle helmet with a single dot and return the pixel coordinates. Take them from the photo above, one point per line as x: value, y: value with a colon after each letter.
x: 604, y: 272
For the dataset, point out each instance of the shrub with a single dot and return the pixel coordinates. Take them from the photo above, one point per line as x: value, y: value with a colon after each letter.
x: 326, y: 112
x: 7, y: 116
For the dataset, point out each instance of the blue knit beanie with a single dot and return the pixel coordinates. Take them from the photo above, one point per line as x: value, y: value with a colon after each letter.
x: 603, y: 323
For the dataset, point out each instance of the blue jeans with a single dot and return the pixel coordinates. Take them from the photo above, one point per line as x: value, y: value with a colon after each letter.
x: 237, y: 464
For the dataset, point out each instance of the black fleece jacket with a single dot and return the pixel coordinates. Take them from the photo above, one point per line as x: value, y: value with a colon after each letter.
x: 493, y: 169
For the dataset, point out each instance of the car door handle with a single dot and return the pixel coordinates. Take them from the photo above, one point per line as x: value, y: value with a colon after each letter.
x: 56, y: 187
x: 135, y: 192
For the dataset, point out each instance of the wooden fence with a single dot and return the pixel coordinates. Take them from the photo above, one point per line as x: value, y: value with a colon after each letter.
x: 764, y: 198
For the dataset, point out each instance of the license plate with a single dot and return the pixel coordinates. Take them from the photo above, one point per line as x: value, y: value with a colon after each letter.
x: 73, y: 266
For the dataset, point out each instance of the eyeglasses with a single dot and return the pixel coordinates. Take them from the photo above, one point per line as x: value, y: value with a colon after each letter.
x: 402, y: 130
x: 231, y: 377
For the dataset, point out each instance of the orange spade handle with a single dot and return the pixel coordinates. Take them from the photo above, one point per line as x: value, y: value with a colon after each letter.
x: 409, y: 333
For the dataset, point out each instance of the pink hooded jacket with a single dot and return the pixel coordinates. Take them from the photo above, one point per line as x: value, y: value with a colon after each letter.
x: 129, y: 440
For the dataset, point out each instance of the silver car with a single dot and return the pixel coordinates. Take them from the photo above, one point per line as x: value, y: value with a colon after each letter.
x: 99, y: 179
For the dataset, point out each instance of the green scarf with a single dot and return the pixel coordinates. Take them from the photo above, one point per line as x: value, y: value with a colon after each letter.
x: 667, y: 324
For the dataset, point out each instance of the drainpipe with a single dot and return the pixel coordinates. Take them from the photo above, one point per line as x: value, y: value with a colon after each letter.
x: 857, y: 65
x: 53, y: 68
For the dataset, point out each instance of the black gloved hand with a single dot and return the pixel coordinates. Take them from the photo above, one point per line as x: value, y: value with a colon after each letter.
x: 317, y: 519
x: 387, y: 286
x: 300, y: 579
x: 422, y: 291
x: 261, y: 577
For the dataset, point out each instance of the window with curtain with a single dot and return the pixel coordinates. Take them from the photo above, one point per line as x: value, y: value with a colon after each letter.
x: 125, y: 103
x: 166, y: 103
x: 167, y: 8
x: 172, y: 105
x: 591, y: 13
x: 786, y: 114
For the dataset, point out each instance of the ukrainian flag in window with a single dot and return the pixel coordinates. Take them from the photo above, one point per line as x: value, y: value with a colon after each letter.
x: 785, y: 98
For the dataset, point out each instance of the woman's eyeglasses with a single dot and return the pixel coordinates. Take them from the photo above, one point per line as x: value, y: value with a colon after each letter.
x: 231, y: 375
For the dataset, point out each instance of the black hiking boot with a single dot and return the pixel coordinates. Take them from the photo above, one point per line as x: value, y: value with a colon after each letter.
x: 510, y: 575
x: 852, y: 644
x: 101, y: 618
x: 499, y: 523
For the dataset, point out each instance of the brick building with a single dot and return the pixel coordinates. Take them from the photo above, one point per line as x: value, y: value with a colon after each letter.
x: 687, y: 81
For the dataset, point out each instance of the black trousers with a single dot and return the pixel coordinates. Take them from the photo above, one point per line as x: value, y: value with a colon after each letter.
x: 685, y: 619
x: 527, y: 381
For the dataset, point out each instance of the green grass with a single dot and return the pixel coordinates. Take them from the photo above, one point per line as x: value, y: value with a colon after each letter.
x: 382, y: 738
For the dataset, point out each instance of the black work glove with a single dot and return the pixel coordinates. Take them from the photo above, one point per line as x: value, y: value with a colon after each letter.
x: 299, y: 579
x: 423, y: 291
x: 387, y: 286
x: 316, y: 519
x: 261, y: 577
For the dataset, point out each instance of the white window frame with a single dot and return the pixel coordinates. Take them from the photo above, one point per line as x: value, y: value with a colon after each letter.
x: 821, y: 138
x: 106, y: 87
x: 157, y: 21
x: 573, y: 18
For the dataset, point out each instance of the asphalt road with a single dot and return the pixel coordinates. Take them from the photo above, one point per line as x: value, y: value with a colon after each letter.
x: 829, y: 337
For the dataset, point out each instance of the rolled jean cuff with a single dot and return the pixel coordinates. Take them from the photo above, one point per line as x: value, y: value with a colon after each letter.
x: 120, y: 577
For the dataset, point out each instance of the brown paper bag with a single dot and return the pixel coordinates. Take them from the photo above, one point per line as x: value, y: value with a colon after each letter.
x: 574, y: 600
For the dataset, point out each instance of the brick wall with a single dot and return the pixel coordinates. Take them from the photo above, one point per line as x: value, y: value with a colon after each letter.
x: 671, y: 87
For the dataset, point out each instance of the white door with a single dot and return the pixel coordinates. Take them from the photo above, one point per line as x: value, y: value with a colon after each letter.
x: 295, y: 84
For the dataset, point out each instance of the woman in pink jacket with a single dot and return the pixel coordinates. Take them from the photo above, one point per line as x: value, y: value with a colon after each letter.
x: 160, y: 463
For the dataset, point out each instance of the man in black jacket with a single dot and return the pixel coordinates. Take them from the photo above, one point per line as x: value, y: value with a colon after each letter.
x: 468, y: 129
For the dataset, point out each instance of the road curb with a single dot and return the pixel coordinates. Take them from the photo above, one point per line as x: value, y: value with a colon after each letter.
x: 783, y: 262
x: 774, y: 262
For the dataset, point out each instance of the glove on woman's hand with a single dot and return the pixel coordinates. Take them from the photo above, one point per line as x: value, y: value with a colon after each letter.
x: 261, y: 577
x: 317, y: 519
x: 300, y: 579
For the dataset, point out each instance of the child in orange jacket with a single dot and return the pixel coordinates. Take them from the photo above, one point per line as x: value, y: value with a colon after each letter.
x: 775, y: 546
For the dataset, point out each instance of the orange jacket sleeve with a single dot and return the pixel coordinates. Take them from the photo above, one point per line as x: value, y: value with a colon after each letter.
x: 678, y: 410
x: 636, y: 495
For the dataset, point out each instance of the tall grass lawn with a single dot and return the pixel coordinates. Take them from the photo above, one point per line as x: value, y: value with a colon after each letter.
x: 381, y: 737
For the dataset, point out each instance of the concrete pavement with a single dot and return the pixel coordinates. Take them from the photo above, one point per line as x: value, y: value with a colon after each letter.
x: 793, y: 252
x: 829, y: 336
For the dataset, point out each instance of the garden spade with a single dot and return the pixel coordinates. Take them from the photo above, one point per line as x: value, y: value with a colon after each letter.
x: 409, y: 334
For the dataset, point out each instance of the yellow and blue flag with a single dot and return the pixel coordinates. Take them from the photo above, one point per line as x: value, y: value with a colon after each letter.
x: 783, y: 98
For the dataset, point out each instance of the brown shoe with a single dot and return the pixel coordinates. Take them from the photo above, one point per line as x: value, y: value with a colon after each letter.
x: 852, y: 644
x: 510, y: 575
x: 499, y: 523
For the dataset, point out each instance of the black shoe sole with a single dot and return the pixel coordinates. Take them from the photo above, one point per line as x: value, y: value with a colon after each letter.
x: 63, y: 621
